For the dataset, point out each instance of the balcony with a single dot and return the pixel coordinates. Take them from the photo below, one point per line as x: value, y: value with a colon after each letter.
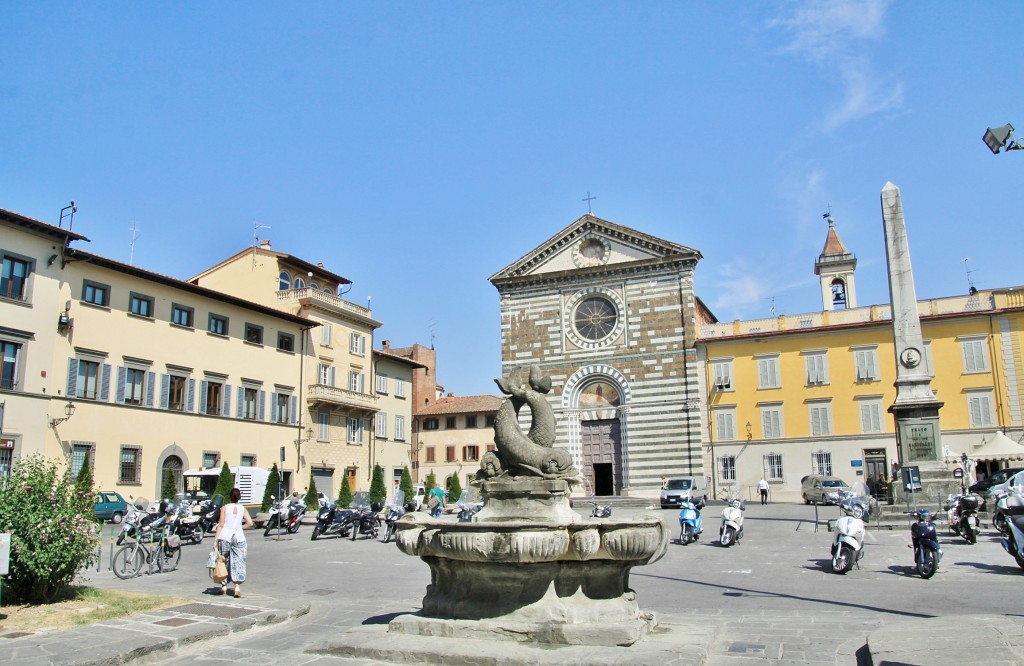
x: 309, y: 297
x: 338, y: 397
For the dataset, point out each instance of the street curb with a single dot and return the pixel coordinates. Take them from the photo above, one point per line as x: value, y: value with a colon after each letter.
x: 135, y: 639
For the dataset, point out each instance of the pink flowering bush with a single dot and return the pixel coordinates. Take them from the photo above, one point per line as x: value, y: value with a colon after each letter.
x: 53, y: 533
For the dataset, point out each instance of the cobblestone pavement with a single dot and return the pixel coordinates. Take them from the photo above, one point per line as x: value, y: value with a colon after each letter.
x: 771, y: 599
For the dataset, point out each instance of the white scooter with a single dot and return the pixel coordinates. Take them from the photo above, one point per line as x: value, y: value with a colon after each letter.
x: 731, y: 530
x: 1013, y: 516
x: 848, y: 544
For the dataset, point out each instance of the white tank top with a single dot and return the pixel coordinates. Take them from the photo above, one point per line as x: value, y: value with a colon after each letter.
x: 232, y: 523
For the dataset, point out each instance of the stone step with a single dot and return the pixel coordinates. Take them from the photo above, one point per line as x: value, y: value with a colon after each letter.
x: 616, y: 501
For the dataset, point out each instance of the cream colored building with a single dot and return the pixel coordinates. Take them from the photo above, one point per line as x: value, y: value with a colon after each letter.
x: 393, y: 426
x: 454, y: 432
x: 340, y: 404
x: 161, y: 374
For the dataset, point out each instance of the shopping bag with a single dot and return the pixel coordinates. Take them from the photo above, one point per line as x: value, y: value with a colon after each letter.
x: 433, y: 502
x: 220, y: 571
x: 212, y: 561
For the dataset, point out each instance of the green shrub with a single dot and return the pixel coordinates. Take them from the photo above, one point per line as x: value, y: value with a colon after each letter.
x: 53, y: 531
x: 405, y: 485
x: 430, y: 482
x: 345, y: 495
x: 169, y: 488
x: 378, y: 491
x: 84, y: 481
x: 454, y: 488
x: 271, y: 490
x: 225, y: 483
x: 311, y: 494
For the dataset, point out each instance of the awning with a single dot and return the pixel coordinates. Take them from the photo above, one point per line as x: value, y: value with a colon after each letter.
x: 998, y: 447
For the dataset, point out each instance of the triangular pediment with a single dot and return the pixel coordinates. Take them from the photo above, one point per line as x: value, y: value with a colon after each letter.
x: 589, y: 243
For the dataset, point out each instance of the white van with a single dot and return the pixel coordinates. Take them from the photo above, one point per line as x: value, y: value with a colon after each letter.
x: 251, y: 481
x: 680, y: 488
x: 419, y: 495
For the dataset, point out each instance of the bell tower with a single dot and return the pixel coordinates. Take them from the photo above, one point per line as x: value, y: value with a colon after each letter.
x: 835, y: 267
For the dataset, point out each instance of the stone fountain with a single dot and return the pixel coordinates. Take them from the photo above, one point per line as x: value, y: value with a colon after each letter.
x: 528, y: 568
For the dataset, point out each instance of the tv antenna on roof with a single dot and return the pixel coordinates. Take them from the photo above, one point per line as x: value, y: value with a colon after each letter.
x: 69, y: 213
x: 970, y: 283
x: 772, y: 308
x: 256, y: 226
x: 135, y: 236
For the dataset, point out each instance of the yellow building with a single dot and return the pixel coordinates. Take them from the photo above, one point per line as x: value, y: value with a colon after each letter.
x: 136, y: 372
x: 394, y: 422
x: 454, y: 433
x: 799, y: 394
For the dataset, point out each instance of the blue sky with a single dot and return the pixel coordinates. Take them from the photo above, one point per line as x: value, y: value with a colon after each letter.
x: 417, y: 148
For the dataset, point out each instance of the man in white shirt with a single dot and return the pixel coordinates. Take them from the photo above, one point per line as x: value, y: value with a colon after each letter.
x: 762, y: 487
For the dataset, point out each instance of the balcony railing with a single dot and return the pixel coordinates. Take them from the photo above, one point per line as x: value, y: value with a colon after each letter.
x: 323, y: 300
x: 333, y: 395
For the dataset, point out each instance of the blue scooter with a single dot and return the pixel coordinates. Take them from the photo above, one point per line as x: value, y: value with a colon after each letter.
x: 690, y: 521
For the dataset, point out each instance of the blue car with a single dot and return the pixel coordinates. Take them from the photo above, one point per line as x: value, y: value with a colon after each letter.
x: 109, y: 505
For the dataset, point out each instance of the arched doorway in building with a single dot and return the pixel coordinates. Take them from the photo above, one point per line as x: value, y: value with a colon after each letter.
x: 175, y: 466
x: 595, y: 402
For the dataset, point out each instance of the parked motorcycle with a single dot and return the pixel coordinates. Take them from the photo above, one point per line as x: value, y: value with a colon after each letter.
x: 690, y: 521
x: 366, y: 520
x: 962, y: 515
x: 927, y: 553
x: 332, y: 519
x: 186, y: 524
x: 286, y: 515
x: 137, y: 521
x: 396, y: 509
x: 999, y: 514
x: 209, y: 513
x: 731, y: 530
x: 600, y: 510
x: 848, y: 543
x: 1013, y: 514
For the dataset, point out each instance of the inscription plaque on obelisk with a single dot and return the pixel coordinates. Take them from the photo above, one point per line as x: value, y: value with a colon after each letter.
x: 916, y: 408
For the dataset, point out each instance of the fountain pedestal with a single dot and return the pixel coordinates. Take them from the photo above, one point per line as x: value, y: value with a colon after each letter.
x: 530, y: 569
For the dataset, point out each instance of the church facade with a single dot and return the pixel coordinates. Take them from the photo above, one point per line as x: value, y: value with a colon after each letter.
x: 609, y: 313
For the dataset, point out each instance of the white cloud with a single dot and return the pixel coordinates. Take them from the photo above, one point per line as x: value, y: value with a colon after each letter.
x: 833, y: 34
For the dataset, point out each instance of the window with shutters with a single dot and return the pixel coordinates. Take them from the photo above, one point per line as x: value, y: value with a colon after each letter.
x: 449, y: 454
x: 356, y: 381
x: 323, y: 423
x: 471, y: 452
x: 250, y: 397
x: 773, y: 466
x: 10, y: 355
x: 870, y: 414
x: 283, y: 411
x: 134, y: 386
x: 357, y: 344
x: 725, y: 424
x: 980, y: 405
x: 721, y: 375
x: 214, y: 396
x: 768, y: 372
x: 399, y: 387
x: 821, y: 463
x: 326, y: 334
x: 430, y: 455
x: 817, y: 368
x: 14, y: 278
x: 324, y: 374
x: 975, y: 354
x: 865, y: 361
x: 727, y: 468
x: 355, y: 430
x: 382, y: 384
x: 820, y: 415
x: 771, y: 421
x: 88, y: 379
x: 382, y: 425
x: 400, y: 427
x: 176, y: 388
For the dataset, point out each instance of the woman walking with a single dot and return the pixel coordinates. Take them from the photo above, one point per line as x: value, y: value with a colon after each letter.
x: 230, y: 540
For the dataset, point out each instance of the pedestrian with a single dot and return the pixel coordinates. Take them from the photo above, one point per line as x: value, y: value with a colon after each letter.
x: 436, y: 493
x: 230, y: 541
x: 762, y: 487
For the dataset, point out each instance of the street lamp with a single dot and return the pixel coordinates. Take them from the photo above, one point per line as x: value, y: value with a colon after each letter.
x: 749, y: 431
x: 1001, y: 137
x: 69, y: 411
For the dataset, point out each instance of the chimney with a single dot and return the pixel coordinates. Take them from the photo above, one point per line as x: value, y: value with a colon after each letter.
x: 385, y: 344
x: 265, y: 243
x: 319, y: 264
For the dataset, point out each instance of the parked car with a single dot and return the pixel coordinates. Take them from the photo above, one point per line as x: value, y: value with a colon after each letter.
x: 1001, y: 476
x: 822, y: 489
x: 679, y: 489
x: 109, y: 505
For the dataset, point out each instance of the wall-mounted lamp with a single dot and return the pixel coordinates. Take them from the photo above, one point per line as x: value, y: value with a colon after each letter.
x: 64, y: 321
x: 69, y: 411
x: 750, y: 429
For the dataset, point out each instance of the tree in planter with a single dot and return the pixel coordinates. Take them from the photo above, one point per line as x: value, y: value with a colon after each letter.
x: 454, y: 488
x: 378, y: 491
x: 225, y: 482
x: 270, y: 492
x: 429, y: 482
x: 345, y: 495
x: 53, y: 532
x: 83, y: 482
x: 311, y: 494
x: 405, y: 485
x: 169, y: 488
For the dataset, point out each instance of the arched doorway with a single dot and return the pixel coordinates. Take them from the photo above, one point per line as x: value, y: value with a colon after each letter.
x: 174, y: 465
x: 595, y: 399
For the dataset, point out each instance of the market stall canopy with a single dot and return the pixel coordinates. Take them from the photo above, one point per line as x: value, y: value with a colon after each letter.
x: 999, y: 447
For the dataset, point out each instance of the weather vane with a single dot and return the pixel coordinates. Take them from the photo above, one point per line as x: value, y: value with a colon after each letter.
x: 828, y: 216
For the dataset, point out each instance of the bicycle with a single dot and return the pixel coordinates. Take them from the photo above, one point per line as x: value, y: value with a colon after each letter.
x: 163, y: 551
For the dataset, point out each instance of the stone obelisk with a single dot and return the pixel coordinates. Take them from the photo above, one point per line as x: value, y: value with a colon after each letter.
x: 916, y: 408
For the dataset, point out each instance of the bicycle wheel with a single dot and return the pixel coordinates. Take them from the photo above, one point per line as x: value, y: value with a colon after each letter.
x: 127, y: 561
x: 168, y: 558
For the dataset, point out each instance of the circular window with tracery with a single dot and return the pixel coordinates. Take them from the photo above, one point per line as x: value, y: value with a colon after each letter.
x: 595, y: 318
